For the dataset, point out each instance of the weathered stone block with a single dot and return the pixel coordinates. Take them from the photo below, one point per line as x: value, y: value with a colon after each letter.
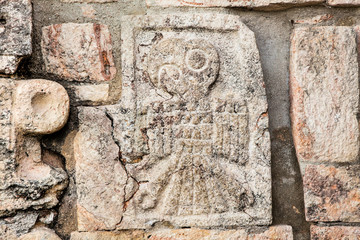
x: 191, y: 129
x: 332, y: 193
x: 28, y: 110
x: 274, y: 232
x: 91, y: 93
x: 335, y: 233
x: 100, y: 176
x: 15, y: 33
x: 78, y: 52
x: 264, y: 4
x: 324, y: 91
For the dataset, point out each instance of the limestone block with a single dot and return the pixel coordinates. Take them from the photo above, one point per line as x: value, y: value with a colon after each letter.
x: 324, y: 91
x: 100, y: 177
x: 275, y: 232
x: 191, y: 129
x: 332, y: 194
x: 78, y: 52
x: 91, y: 93
x: 335, y: 233
x: 263, y: 4
x: 29, y: 109
x: 15, y: 33
x: 41, y: 233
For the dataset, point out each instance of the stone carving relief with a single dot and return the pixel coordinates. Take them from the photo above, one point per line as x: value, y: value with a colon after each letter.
x: 191, y: 127
x: 29, y: 178
x: 15, y: 33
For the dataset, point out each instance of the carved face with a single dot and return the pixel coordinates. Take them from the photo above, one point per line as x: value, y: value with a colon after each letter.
x: 183, y: 68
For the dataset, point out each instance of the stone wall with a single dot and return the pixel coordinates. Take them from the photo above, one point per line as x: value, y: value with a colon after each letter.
x: 179, y: 119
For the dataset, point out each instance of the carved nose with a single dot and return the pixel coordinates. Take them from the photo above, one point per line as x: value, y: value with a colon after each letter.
x: 40, y: 106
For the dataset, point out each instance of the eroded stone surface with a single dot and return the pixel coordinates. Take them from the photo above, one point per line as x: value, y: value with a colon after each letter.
x: 13, y: 227
x: 78, y: 52
x: 275, y: 232
x: 332, y: 193
x: 191, y: 129
x: 324, y: 94
x: 33, y: 107
x: 335, y: 233
x: 100, y: 176
x: 265, y: 4
x: 15, y: 33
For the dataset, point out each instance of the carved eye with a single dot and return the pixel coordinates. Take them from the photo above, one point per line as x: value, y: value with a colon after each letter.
x: 196, y: 60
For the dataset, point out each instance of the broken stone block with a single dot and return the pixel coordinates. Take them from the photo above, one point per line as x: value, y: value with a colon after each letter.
x: 335, y: 233
x: 78, y: 52
x: 263, y: 4
x: 15, y: 33
x: 275, y: 232
x: 29, y: 109
x: 191, y: 130
x: 325, y: 94
x: 100, y: 176
x: 332, y: 194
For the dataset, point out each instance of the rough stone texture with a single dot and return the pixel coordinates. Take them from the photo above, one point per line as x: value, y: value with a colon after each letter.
x: 332, y: 194
x: 100, y: 176
x: 28, y: 110
x: 275, y: 232
x: 335, y: 233
x: 15, y: 226
x: 324, y: 94
x: 15, y: 33
x: 91, y: 93
x: 192, y: 123
x: 263, y: 4
x: 40, y: 234
x: 78, y: 52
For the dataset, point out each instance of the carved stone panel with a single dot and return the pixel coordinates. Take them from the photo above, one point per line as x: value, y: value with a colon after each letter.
x: 191, y: 126
x: 29, y: 109
x: 15, y: 33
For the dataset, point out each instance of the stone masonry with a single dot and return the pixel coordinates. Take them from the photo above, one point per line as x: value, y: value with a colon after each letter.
x: 179, y: 119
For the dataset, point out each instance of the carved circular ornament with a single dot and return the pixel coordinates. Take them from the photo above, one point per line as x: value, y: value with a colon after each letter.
x: 184, y: 68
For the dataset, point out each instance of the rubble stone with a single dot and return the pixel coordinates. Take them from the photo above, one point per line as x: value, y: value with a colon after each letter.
x: 324, y: 94
x: 15, y: 33
x: 332, y: 194
x: 78, y: 52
